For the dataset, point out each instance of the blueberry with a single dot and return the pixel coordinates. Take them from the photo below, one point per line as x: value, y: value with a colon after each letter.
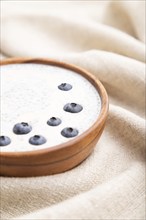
x: 4, y: 140
x: 54, y: 121
x: 22, y: 128
x: 65, y: 86
x: 69, y: 132
x: 37, y: 140
x: 73, y: 108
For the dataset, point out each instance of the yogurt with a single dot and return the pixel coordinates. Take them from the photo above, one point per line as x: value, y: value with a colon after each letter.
x: 30, y: 94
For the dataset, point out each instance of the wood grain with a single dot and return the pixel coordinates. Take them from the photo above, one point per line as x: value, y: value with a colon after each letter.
x: 61, y: 157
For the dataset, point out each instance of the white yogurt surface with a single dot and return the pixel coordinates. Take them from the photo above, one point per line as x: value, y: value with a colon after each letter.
x: 29, y: 93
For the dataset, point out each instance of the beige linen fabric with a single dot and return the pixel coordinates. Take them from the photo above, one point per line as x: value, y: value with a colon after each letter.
x: 107, y: 38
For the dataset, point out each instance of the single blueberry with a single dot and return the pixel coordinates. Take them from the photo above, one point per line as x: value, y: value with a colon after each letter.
x: 69, y: 132
x: 22, y: 128
x: 73, y: 108
x: 4, y: 140
x: 54, y: 121
x: 37, y: 140
x: 65, y: 87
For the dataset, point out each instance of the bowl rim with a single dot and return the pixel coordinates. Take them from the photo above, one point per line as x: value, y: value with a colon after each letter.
x: 99, y: 121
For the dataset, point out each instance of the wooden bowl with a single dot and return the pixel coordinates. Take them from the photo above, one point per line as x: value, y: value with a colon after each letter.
x: 64, y: 156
